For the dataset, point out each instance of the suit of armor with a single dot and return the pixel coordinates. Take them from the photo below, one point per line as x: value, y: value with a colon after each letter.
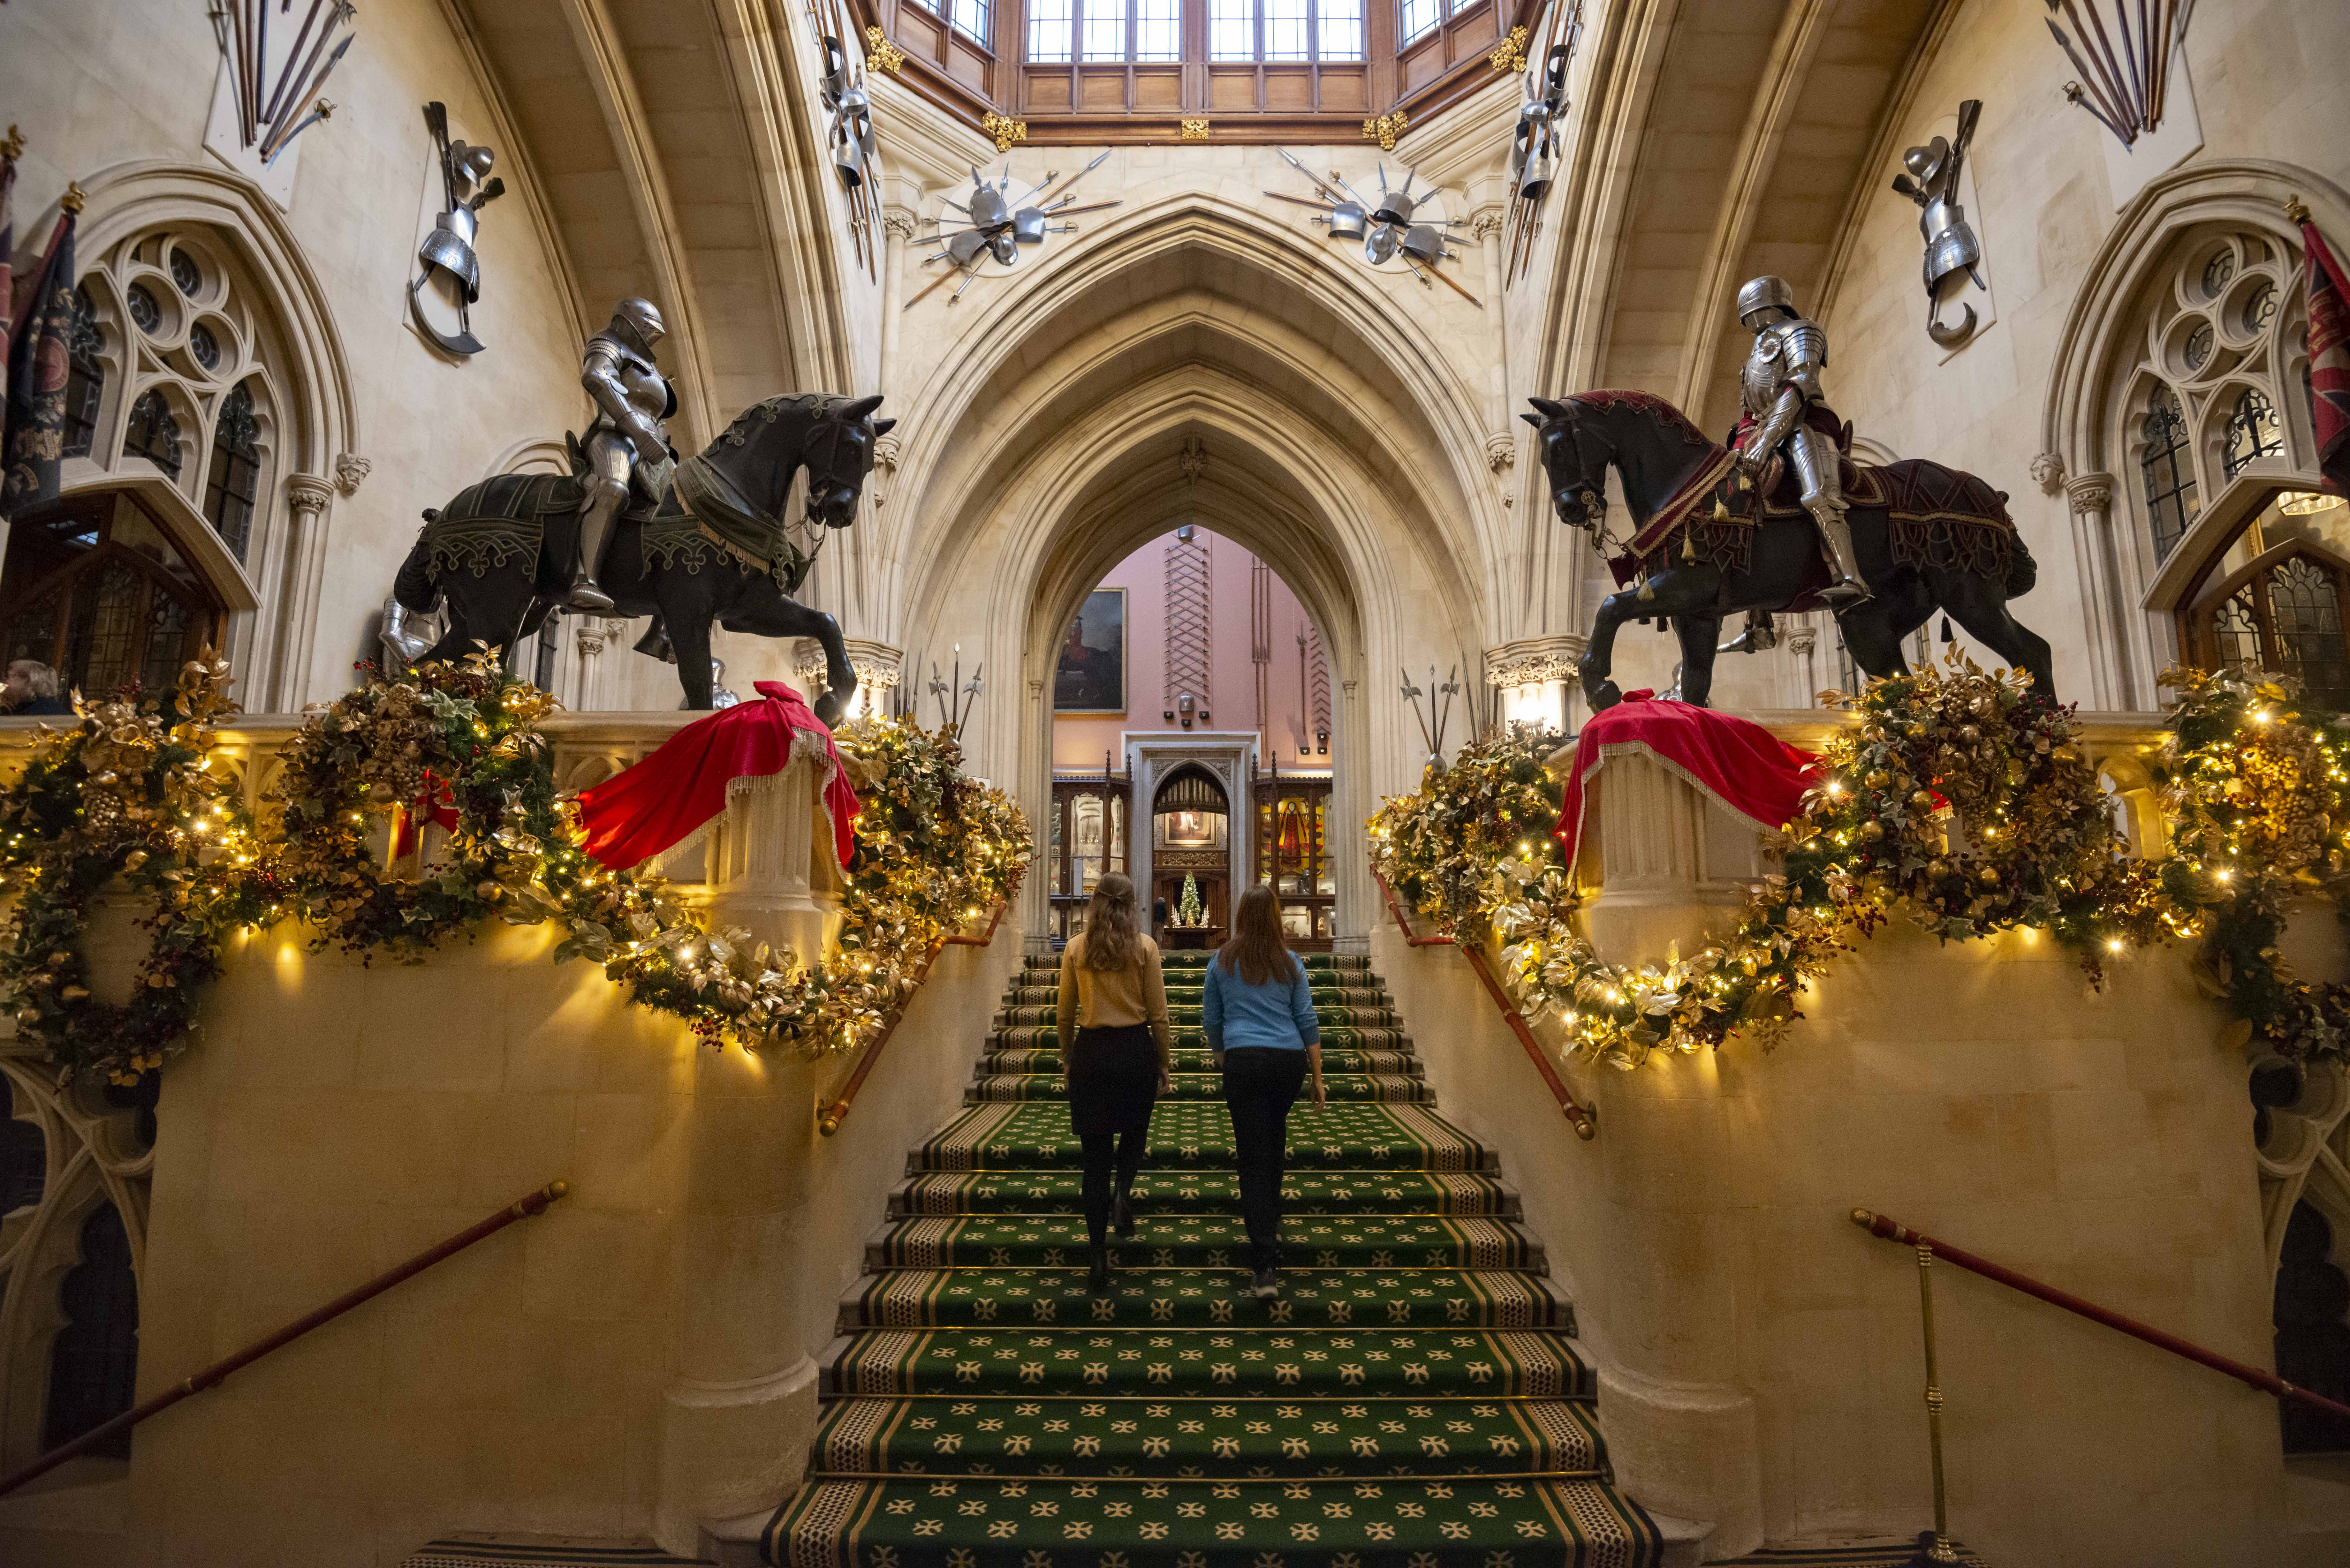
x: 1786, y: 412
x: 627, y: 443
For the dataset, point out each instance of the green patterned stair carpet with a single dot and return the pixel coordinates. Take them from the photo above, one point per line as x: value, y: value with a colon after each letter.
x: 1414, y: 1399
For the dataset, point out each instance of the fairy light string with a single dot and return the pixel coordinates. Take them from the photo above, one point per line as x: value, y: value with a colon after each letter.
x: 128, y: 802
x: 1959, y: 799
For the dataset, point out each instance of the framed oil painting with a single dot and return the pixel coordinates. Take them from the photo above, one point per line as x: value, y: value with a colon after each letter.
x: 1091, y: 675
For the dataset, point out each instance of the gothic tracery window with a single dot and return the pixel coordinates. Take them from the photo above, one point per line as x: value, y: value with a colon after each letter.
x: 85, y: 375
x: 2283, y: 612
x: 153, y: 434
x: 233, y: 480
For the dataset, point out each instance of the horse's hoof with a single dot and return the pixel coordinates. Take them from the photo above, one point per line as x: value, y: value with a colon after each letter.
x: 830, y: 707
x: 1606, y: 697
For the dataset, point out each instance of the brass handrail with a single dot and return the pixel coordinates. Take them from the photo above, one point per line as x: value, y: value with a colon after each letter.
x: 829, y: 1120
x: 530, y: 1203
x: 1578, y: 1115
x: 2266, y: 1382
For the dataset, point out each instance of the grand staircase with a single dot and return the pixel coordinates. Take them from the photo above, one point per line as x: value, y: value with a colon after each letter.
x: 1413, y: 1401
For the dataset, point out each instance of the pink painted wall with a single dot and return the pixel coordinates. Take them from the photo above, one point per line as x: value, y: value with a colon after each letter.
x: 1078, y: 742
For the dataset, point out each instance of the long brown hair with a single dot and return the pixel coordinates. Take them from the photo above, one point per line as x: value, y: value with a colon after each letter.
x: 1256, y: 954
x: 1112, y: 942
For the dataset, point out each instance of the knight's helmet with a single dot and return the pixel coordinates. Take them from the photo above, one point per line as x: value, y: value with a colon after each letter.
x: 640, y: 319
x: 1761, y: 294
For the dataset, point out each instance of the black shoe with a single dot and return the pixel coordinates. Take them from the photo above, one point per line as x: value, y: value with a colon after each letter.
x: 1268, y: 1283
x: 1098, y: 1281
x: 1121, y: 1216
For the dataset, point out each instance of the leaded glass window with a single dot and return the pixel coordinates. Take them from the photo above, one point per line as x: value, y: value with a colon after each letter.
x: 185, y: 273
x: 1158, y: 30
x: 2169, y: 470
x: 154, y: 433
x: 203, y: 347
x: 2199, y: 347
x: 232, y: 483
x: 2307, y: 608
x: 144, y: 310
x: 1340, y: 23
x: 2236, y: 632
x: 975, y: 20
x: 2251, y: 433
x: 2217, y: 272
x: 85, y: 375
x: 1419, y: 17
x: 1231, y: 30
x: 24, y: 1157
x: 1105, y: 29
x: 2260, y: 308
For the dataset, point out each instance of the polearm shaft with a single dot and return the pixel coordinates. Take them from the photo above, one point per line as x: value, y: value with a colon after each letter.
x: 530, y: 1203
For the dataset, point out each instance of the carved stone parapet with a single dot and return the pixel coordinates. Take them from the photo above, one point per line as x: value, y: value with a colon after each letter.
x: 773, y: 868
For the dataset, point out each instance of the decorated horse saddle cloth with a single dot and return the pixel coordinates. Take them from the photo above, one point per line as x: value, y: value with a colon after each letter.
x: 1935, y: 516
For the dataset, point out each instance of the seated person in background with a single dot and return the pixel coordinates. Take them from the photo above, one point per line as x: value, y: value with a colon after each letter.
x: 31, y: 691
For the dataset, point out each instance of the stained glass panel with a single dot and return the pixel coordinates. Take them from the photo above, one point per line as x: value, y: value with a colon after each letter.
x: 153, y: 434
x: 234, y: 481
x: 2236, y: 632
x: 2251, y: 433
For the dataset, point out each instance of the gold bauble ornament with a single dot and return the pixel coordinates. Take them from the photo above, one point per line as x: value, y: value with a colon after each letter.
x: 1988, y: 876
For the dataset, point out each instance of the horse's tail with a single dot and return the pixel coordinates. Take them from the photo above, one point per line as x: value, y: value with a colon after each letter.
x: 2022, y: 571
x: 414, y: 586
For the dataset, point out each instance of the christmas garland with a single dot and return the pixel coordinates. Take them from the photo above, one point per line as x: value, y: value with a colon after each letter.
x: 129, y: 793
x: 1960, y: 799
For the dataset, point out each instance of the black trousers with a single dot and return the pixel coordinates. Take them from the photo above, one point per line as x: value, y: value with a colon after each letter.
x: 1113, y: 1083
x: 1261, y: 1083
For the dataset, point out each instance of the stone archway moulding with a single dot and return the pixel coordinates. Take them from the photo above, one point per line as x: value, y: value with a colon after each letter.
x: 2082, y: 441
x: 131, y: 198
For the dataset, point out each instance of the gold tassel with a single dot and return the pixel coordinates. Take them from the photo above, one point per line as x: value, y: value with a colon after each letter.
x: 1688, y: 544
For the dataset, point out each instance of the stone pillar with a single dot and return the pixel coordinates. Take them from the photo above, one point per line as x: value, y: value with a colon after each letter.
x: 896, y: 228
x: 1485, y: 227
x: 1672, y: 867
x: 2103, y: 606
x: 308, y: 496
x: 740, y: 1413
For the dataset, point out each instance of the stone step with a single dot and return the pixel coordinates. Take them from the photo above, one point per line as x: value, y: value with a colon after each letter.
x: 1376, y: 1242
x: 1335, y: 1061
x: 1046, y: 1523
x: 1188, y: 1299
x: 1189, y: 1036
x: 1173, y: 1192
x: 1369, y: 993
x: 1198, y: 1086
x: 1206, y: 1363
x: 1171, y: 962
x: 1122, y: 1437
x: 1195, y: 1134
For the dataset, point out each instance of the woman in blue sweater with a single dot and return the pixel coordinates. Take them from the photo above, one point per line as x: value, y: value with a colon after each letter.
x: 1258, y: 1012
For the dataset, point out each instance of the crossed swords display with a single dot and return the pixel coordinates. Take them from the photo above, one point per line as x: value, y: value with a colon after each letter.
x: 270, y: 114
x: 1391, y: 228
x: 996, y: 225
x: 2126, y: 90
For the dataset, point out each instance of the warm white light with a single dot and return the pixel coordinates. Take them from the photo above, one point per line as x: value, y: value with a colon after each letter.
x: 2303, y: 503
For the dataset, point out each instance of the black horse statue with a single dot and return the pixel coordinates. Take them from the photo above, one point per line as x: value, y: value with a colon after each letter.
x: 1703, y: 546
x: 717, y: 547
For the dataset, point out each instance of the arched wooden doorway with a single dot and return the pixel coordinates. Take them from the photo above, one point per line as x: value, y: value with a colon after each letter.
x: 1191, y: 843
x: 97, y: 589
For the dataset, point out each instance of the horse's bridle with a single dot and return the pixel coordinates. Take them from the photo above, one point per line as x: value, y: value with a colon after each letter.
x: 1594, y: 495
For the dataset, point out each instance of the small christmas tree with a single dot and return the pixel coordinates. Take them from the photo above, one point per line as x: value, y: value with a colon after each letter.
x: 1188, y: 911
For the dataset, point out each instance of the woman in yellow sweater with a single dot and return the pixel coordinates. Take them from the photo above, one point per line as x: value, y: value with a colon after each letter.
x: 1116, y: 1056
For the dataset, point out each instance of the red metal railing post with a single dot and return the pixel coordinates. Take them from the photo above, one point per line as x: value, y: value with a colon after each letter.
x: 529, y: 1204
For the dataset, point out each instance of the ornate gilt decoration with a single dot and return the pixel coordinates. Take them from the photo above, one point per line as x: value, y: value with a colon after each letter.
x: 880, y: 52
x: 1386, y: 129
x: 1512, y: 55
x: 1195, y: 130
x: 1003, y: 129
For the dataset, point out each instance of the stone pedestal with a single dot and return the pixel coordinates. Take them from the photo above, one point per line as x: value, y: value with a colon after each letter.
x: 1670, y: 864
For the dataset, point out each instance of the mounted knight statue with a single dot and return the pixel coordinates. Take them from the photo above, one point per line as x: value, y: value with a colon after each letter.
x: 1780, y: 520
x: 635, y: 531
